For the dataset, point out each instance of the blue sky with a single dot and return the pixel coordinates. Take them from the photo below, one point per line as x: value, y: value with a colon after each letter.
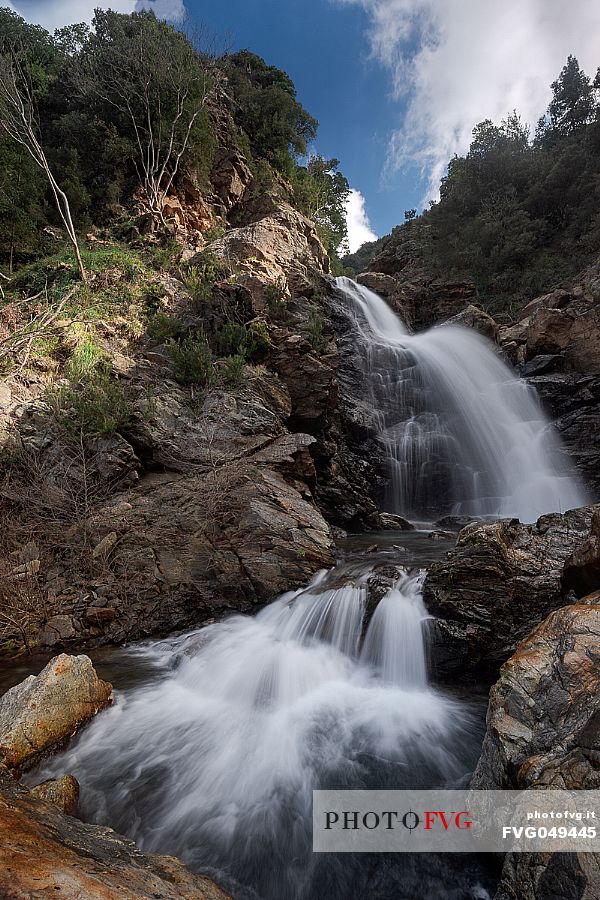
x: 397, y: 85
x: 322, y: 46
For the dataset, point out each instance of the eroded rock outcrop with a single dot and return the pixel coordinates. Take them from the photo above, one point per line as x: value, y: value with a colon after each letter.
x: 45, y: 853
x: 557, y: 344
x: 543, y: 731
x: 419, y: 298
x: 496, y: 585
x: 41, y: 712
x: 544, y: 711
x: 282, y: 248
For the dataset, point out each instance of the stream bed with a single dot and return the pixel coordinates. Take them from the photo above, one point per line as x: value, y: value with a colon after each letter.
x: 218, y: 736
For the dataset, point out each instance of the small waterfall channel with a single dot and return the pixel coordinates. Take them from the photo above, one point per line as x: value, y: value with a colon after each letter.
x: 461, y: 433
x: 213, y: 750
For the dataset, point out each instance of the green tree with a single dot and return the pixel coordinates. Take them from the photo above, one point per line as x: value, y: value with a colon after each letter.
x: 321, y: 192
x: 140, y: 74
x: 573, y: 103
x: 266, y: 107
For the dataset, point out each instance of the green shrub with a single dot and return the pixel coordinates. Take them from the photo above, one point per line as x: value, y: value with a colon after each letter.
x: 316, y: 337
x: 95, y: 405
x: 199, y: 279
x: 232, y: 339
x: 192, y: 360
x: 162, y: 328
x: 234, y: 369
x: 87, y: 358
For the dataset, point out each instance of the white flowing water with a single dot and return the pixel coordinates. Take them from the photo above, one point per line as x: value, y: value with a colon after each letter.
x: 215, y: 758
x: 461, y: 433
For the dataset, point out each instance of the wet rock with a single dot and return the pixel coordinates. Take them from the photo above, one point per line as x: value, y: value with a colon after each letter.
x: 45, y: 853
x: 477, y: 319
x: 440, y: 535
x: 392, y: 522
x: 573, y: 403
x: 63, y: 792
x: 557, y: 343
x: 454, y: 523
x: 499, y: 581
x: 542, y: 732
x: 43, y: 711
x: 539, y: 365
x: 582, y: 569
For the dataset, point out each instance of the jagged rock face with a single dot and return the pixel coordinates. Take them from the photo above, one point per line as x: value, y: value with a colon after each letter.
x: 185, y: 548
x: 543, y: 731
x: 419, y: 299
x: 544, y: 711
x: 557, y: 344
x: 230, y: 176
x: 43, y: 711
x: 45, y: 853
x: 581, y: 573
x: 280, y: 248
x: 496, y: 585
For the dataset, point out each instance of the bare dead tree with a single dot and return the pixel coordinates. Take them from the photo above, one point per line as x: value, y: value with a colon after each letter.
x: 19, y: 120
x: 160, y: 84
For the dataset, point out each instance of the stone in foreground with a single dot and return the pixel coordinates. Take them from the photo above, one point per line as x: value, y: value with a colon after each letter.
x: 43, y: 711
x: 44, y: 853
x: 543, y: 731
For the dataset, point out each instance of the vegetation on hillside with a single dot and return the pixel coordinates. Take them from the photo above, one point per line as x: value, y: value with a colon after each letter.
x: 122, y: 110
x: 518, y: 213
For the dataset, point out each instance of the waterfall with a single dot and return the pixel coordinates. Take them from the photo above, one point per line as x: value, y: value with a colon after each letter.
x: 461, y: 433
x: 214, y: 758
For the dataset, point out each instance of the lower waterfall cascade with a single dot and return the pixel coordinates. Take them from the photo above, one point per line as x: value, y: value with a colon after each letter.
x: 461, y: 433
x: 214, y: 757
x: 213, y: 751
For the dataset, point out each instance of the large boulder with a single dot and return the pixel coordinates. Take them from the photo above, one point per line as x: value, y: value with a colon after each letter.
x: 477, y: 319
x: 181, y: 549
x: 543, y: 723
x: 281, y: 248
x: 543, y: 731
x: 42, y: 712
x: 501, y: 579
x: 45, y: 853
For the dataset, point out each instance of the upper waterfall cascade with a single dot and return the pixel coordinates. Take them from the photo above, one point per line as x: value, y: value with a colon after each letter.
x: 461, y: 433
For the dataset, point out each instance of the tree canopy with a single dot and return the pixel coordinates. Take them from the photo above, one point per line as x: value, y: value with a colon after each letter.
x: 517, y: 215
x: 125, y: 107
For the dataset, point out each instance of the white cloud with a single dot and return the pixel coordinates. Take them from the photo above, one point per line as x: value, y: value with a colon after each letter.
x: 51, y: 14
x: 462, y: 61
x: 359, y: 228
